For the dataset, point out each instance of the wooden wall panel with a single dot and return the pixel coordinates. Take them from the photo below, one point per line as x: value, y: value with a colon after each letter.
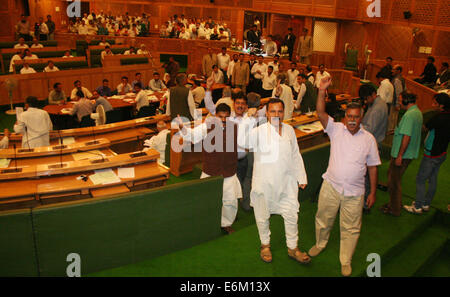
x: 399, y: 6
x: 424, y: 12
x: 443, y: 14
x: 393, y: 41
x: 443, y: 45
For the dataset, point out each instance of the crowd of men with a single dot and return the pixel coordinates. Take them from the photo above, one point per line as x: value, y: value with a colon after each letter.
x: 296, y: 87
x: 42, y: 30
x: 107, y: 24
x: 195, y: 28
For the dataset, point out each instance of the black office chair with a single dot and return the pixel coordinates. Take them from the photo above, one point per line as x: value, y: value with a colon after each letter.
x: 146, y: 111
x: 86, y: 121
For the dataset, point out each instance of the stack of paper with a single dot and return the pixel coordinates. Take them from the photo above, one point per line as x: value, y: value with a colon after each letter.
x: 117, y: 97
x: 310, y: 128
x: 4, y: 163
x: 125, y: 172
x: 68, y: 140
x: 104, y: 177
x: 94, y: 154
x: 66, y: 110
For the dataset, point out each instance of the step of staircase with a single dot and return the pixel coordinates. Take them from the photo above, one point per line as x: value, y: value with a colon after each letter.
x: 421, y: 249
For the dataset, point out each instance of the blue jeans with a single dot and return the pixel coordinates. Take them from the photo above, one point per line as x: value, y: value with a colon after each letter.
x: 429, y: 169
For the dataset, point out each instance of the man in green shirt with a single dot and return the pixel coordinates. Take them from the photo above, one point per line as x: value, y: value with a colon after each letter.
x: 405, y: 148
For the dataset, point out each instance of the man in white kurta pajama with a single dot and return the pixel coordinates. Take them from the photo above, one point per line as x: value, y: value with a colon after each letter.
x: 278, y: 171
x: 219, y: 159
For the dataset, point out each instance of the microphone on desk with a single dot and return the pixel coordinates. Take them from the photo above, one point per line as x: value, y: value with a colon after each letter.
x: 94, y: 141
x: 60, y: 149
x: 15, y: 158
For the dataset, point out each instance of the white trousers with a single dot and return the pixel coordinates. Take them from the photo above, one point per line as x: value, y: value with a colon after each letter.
x: 330, y: 201
x: 290, y: 217
x: 231, y: 193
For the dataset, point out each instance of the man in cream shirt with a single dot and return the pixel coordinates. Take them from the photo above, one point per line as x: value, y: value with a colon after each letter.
x: 159, y: 141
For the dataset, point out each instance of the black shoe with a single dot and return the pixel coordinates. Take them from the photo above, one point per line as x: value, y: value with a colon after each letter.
x: 227, y: 230
x: 366, y: 210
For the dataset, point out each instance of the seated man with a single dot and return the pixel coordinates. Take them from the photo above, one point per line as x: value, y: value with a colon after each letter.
x: 16, y: 57
x: 34, y: 124
x: 99, y: 100
x: 83, y: 109
x: 199, y: 93
x: 86, y: 93
x: 28, y: 55
x: 4, y: 143
x: 158, y: 142
x: 124, y: 87
x: 51, y: 67
x: 36, y: 44
x: 67, y: 55
x: 57, y: 95
x: 26, y: 69
x: 106, y: 52
x: 428, y: 76
x: 138, y: 79
x: 141, y: 100
x: 156, y: 84
x: 443, y: 77
x: 131, y: 51
x: 143, y: 50
x: 104, y: 89
x: 21, y: 44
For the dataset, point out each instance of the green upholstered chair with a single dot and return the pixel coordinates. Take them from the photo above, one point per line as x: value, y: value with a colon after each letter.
x: 351, y: 60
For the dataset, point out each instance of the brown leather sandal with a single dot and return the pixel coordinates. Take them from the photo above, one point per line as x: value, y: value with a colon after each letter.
x: 299, y: 256
x: 266, y: 254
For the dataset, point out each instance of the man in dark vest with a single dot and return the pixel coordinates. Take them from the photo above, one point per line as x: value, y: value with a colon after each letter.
x: 180, y: 100
x: 307, y: 97
x: 220, y: 158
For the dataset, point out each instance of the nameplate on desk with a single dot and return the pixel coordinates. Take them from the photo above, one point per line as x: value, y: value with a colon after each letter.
x: 136, y: 155
x: 59, y: 147
x: 25, y: 150
x: 98, y: 161
x: 92, y: 142
x: 10, y: 170
x: 57, y: 166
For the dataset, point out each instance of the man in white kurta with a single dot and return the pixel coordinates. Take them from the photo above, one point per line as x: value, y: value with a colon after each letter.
x: 284, y: 92
x: 34, y: 125
x: 4, y: 143
x: 278, y: 172
x: 225, y: 161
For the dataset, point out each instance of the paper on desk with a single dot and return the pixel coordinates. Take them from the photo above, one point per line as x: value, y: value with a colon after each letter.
x: 310, y: 128
x: 104, y: 177
x: 125, y: 172
x: 117, y: 97
x: 68, y: 140
x: 66, y: 110
x: 4, y: 163
x: 94, y: 154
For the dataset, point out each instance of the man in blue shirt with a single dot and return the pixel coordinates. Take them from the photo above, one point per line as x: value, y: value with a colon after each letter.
x: 104, y: 89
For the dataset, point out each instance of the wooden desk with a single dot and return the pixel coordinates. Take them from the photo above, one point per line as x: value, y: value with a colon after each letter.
x: 45, y: 61
x: 34, y: 190
x: 114, y: 60
x: 36, y: 50
x: 54, y: 150
x: 80, y: 166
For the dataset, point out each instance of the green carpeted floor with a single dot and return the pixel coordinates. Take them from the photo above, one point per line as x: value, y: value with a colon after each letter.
x: 238, y: 254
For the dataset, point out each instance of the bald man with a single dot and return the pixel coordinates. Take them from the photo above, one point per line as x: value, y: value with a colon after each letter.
x: 158, y: 142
